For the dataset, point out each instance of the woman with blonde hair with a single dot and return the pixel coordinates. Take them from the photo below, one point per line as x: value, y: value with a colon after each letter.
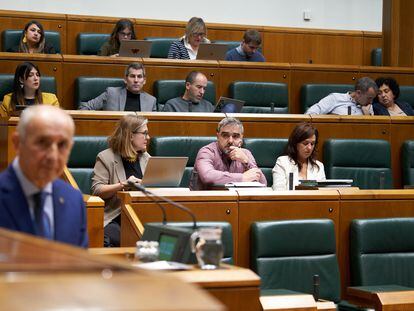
x: 123, y: 162
x: 187, y: 46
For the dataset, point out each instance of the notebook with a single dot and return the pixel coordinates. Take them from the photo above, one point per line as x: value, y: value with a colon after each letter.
x: 135, y: 48
x: 212, y: 51
x: 229, y: 105
x: 164, y: 171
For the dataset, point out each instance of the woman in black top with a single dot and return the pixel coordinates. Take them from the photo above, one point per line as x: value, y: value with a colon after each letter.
x: 33, y: 40
x: 386, y: 102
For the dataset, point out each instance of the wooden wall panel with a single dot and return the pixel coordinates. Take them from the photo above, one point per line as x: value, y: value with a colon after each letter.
x: 51, y: 22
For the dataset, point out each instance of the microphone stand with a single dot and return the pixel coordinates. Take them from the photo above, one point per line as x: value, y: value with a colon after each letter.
x: 152, y: 195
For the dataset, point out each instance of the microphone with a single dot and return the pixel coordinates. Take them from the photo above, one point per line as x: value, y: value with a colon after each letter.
x: 152, y: 195
x: 272, y: 107
x: 382, y: 180
x: 349, y: 110
x: 290, y: 181
x: 316, y: 285
x: 164, y: 213
x: 190, y: 106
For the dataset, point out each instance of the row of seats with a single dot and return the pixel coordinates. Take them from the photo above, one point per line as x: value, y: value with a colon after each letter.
x: 90, y: 43
x: 366, y: 161
x: 260, y: 97
x: 287, y: 254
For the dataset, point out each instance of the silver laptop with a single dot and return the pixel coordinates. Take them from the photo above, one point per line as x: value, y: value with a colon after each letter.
x: 135, y: 48
x: 229, y: 105
x: 212, y: 51
x: 164, y: 171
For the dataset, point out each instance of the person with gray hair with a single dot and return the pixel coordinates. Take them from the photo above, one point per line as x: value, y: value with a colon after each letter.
x: 192, y: 99
x: 357, y: 102
x: 130, y: 97
x: 248, y: 50
x: 32, y: 197
x: 224, y: 160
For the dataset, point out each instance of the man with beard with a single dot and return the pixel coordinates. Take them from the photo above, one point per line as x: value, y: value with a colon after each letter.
x: 248, y: 49
x: 224, y: 161
x: 192, y: 100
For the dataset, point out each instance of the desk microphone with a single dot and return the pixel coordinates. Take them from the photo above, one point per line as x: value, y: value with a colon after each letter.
x: 316, y: 285
x: 382, y: 180
x: 272, y: 107
x: 152, y: 195
x: 290, y: 181
x: 349, y: 110
x: 164, y: 214
x: 190, y: 106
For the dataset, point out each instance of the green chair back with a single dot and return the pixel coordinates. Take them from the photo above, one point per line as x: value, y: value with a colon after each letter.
x: 266, y: 151
x: 407, y: 94
x: 261, y: 97
x: 310, y: 94
x: 87, y: 88
x: 10, y: 38
x: 167, y: 89
x: 366, y: 161
x: 407, y: 164
x: 230, y: 44
x: 382, y: 251
x: 83, y: 157
x: 160, y: 46
x: 287, y: 254
x: 376, y: 57
x: 90, y: 43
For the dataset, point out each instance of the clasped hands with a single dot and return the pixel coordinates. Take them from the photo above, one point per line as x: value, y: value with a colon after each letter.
x: 237, y: 154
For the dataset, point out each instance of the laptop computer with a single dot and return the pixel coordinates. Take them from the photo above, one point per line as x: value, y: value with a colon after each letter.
x: 212, y: 51
x: 164, y: 171
x: 229, y: 105
x: 135, y: 48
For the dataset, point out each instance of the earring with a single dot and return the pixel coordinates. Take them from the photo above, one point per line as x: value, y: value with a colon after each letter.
x: 21, y: 85
x: 24, y: 39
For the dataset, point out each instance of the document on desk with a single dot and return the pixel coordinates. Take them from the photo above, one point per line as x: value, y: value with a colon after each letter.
x: 163, y: 265
x: 245, y: 184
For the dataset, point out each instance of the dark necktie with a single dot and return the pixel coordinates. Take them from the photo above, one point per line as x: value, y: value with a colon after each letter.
x: 42, y: 223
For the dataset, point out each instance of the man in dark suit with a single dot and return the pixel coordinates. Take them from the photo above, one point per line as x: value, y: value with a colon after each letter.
x: 32, y: 198
x: 130, y: 97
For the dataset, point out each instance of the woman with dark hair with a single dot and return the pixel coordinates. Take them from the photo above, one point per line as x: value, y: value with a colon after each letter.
x: 299, y: 158
x: 123, y: 30
x: 187, y: 46
x: 33, y: 40
x: 386, y: 102
x: 124, y: 161
x: 26, y: 90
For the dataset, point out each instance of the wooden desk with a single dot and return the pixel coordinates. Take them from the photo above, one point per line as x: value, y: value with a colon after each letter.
x: 95, y: 215
x: 48, y: 275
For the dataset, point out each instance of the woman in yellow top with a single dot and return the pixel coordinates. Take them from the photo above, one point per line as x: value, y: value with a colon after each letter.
x: 26, y: 90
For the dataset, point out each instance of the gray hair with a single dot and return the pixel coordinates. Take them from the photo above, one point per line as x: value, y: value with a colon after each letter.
x: 364, y: 84
x: 46, y: 112
x: 136, y: 66
x: 227, y: 121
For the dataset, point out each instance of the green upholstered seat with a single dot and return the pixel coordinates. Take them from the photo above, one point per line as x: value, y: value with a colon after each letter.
x: 160, y: 46
x: 230, y: 44
x: 310, y: 94
x: 167, y: 89
x: 376, y: 57
x: 407, y: 94
x: 287, y: 254
x: 87, y: 88
x: 366, y: 161
x: 83, y: 157
x: 48, y: 84
x: 266, y: 151
x: 226, y: 236
x: 382, y: 251
x: 10, y: 38
x: 179, y: 146
x: 261, y: 97
x: 407, y: 162
x: 90, y: 43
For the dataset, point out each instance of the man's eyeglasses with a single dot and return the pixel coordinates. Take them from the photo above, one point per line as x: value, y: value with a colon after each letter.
x: 145, y: 133
x: 227, y: 135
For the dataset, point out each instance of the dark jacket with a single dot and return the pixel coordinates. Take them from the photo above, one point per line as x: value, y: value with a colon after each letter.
x: 380, y: 110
